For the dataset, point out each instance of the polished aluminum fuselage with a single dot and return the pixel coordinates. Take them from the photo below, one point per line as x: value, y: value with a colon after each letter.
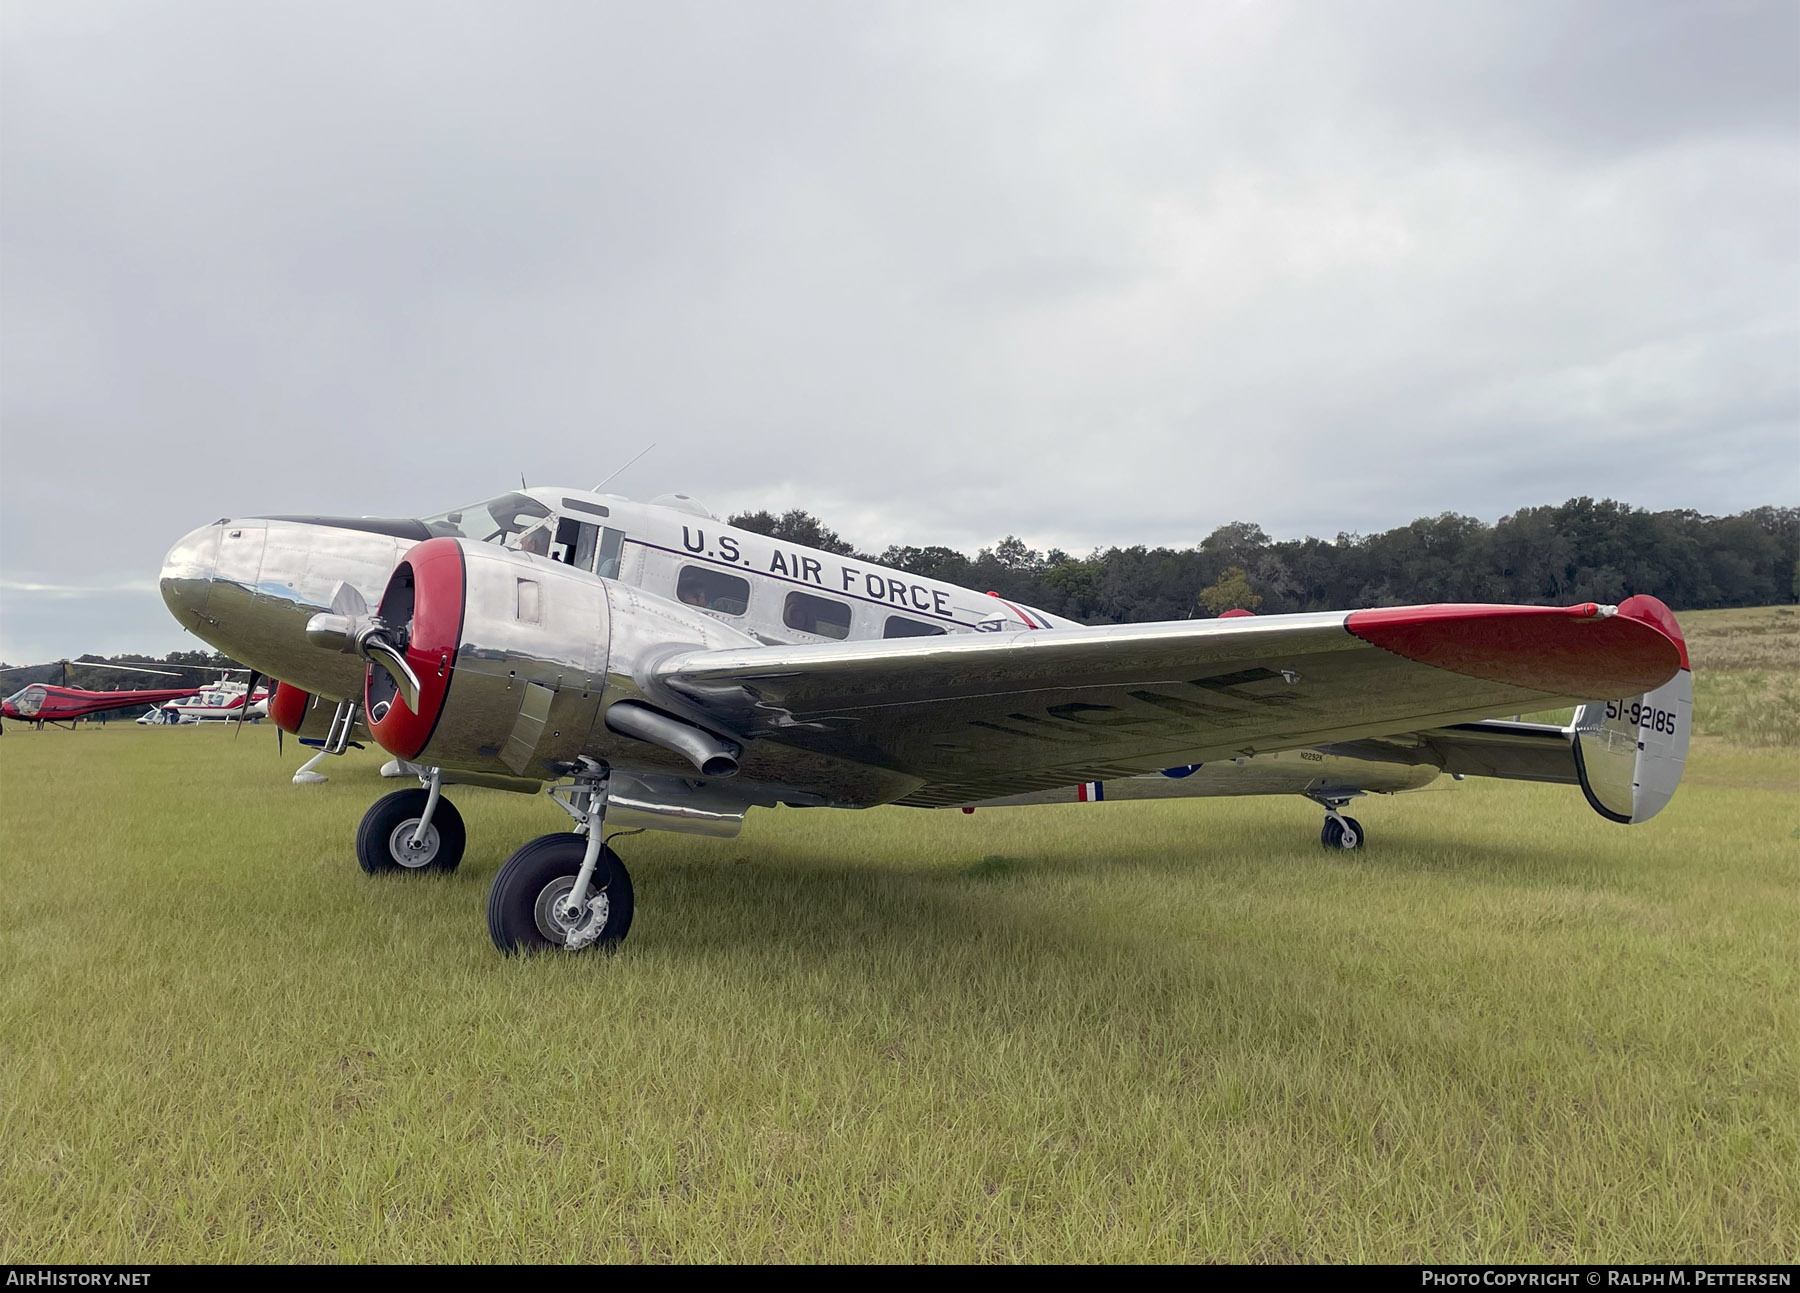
x: 248, y: 586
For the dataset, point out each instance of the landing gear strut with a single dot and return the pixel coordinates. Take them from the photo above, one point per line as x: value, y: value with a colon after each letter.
x: 412, y: 830
x: 1339, y: 831
x: 565, y: 890
x: 337, y: 740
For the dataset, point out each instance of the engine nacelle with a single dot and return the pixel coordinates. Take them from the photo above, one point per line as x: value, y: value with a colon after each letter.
x: 517, y: 659
x: 300, y: 713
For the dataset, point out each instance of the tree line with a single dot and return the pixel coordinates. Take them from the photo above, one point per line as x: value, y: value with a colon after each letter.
x: 1579, y: 551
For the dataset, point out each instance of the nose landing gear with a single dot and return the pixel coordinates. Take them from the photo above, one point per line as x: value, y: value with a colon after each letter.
x: 1342, y: 833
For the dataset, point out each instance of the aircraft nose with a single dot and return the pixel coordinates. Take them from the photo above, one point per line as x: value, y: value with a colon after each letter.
x: 187, y: 575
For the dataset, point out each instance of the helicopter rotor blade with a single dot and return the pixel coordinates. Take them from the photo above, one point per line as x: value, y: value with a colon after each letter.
x: 89, y: 664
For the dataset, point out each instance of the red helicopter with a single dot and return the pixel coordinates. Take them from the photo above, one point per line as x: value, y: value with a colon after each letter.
x: 43, y: 702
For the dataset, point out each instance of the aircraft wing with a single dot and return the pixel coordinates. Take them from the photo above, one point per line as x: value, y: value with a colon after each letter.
x: 972, y: 717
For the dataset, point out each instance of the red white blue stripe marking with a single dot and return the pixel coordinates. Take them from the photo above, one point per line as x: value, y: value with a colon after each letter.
x: 1090, y: 792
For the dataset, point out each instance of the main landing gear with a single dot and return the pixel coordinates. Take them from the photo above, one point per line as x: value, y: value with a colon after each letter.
x: 1339, y: 831
x: 568, y: 890
x: 412, y: 830
x: 565, y: 890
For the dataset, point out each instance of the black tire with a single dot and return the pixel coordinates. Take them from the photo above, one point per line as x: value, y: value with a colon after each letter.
x: 381, y: 840
x: 519, y: 913
x: 1332, y: 834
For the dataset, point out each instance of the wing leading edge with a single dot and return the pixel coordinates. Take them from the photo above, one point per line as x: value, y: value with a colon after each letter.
x: 974, y: 717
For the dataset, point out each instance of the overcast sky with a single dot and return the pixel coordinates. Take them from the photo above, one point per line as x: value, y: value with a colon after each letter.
x: 1087, y: 273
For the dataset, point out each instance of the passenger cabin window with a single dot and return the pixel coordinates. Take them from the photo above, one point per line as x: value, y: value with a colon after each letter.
x: 713, y: 589
x: 898, y: 626
x: 820, y: 615
x: 612, y: 544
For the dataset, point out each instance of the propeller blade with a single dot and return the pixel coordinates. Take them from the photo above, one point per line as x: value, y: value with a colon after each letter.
x: 244, y: 709
x: 347, y: 601
x: 382, y: 653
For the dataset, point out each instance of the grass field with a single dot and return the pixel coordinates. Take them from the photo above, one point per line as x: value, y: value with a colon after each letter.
x: 1507, y: 1031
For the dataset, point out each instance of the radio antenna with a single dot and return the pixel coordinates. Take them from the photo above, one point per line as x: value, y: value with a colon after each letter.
x: 639, y: 454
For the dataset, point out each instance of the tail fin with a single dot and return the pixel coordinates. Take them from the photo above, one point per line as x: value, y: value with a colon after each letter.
x: 1630, y: 753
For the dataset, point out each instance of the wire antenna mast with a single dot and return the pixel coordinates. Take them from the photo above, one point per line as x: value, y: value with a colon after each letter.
x: 639, y: 454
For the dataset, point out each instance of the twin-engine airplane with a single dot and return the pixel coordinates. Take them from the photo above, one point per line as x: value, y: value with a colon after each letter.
x: 657, y: 668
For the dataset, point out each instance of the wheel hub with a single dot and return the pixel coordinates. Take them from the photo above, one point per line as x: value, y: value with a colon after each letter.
x: 554, y: 922
x: 402, y: 849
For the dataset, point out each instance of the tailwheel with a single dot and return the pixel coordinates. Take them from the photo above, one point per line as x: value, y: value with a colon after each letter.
x: 389, y: 838
x: 1342, y: 833
x: 529, y: 908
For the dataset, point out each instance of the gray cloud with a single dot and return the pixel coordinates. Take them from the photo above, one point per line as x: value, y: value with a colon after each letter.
x: 1087, y: 273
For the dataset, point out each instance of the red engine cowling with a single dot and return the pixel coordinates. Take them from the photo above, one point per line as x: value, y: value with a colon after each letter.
x: 287, y: 707
x: 512, y: 653
x: 423, y: 604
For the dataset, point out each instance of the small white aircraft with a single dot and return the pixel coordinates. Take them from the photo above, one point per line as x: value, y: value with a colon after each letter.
x: 658, y: 668
x: 218, y: 702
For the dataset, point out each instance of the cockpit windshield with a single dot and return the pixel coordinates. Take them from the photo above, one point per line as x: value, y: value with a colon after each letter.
x: 504, y: 520
x: 27, y: 700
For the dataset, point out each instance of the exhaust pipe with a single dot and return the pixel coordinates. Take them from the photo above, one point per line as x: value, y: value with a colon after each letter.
x: 712, y: 756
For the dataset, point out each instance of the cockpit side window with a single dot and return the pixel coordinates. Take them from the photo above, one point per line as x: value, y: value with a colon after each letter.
x: 504, y: 520
x: 587, y: 538
x: 573, y: 544
x: 612, y: 547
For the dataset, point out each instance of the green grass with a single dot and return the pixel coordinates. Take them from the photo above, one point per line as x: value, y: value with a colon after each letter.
x: 1746, y: 674
x: 1507, y: 1031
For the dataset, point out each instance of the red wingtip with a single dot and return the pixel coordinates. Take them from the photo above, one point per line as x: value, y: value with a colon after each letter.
x: 1562, y: 651
x: 1649, y: 610
x: 1236, y: 614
